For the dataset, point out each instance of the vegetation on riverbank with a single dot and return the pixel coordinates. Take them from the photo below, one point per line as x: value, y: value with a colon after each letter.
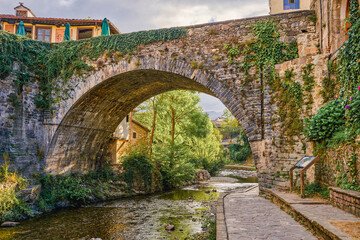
x: 12, y: 206
x: 71, y: 190
x: 79, y: 189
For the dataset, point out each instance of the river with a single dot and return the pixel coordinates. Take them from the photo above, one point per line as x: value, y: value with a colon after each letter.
x: 141, y: 217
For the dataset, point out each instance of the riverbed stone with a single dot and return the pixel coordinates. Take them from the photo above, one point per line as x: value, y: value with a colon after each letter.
x: 9, y: 224
x: 170, y: 228
x: 201, y: 175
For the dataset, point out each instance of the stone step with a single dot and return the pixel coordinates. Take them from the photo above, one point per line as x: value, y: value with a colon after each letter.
x: 322, y: 219
x: 240, y: 167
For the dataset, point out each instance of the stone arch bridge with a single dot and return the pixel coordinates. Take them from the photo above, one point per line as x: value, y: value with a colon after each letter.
x: 73, y: 138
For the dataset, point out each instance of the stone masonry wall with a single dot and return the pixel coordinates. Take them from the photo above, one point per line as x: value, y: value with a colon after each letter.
x: 21, y: 131
x: 346, y: 200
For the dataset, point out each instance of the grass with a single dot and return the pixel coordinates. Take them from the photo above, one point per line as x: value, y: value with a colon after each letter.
x: 12, y: 206
x: 316, y: 190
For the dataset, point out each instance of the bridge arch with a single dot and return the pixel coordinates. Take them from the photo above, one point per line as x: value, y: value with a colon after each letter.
x: 105, y: 97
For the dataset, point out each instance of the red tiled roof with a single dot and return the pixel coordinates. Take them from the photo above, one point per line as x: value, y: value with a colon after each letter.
x: 58, y: 21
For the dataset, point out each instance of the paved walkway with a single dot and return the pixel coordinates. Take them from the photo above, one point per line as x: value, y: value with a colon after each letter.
x: 330, y: 222
x: 248, y: 216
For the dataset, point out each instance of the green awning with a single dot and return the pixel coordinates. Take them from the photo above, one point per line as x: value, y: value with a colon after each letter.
x: 105, y: 30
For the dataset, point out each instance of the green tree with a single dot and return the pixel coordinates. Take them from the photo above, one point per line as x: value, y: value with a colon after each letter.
x: 230, y: 127
x: 182, y: 137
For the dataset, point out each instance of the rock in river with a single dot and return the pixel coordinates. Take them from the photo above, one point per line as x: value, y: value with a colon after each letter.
x: 9, y: 224
x: 170, y: 228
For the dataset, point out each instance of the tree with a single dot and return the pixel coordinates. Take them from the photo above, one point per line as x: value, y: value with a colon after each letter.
x: 230, y: 127
x: 181, y: 135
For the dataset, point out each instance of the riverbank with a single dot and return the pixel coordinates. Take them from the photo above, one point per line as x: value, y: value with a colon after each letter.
x: 190, y: 209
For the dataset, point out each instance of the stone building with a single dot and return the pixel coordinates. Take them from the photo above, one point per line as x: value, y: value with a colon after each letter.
x: 283, y: 6
x: 51, y: 29
x: 331, y: 23
x: 128, y: 133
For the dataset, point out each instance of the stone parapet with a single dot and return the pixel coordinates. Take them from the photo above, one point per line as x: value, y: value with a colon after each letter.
x: 346, y: 200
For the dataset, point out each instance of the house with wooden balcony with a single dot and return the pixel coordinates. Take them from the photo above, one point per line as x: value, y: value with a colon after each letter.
x: 51, y: 29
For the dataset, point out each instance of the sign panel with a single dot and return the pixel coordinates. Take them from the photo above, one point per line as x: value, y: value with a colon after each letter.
x: 304, y: 162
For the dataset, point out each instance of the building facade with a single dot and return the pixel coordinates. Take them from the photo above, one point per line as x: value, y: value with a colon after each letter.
x: 51, y: 29
x: 283, y: 6
x: 128, y: 133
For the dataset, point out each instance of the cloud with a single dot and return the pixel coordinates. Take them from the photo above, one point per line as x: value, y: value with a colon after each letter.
x: 174, y: 13
x: 66, y: 3
x: 136, y: 15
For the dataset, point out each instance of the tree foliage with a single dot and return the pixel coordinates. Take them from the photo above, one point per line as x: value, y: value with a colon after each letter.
x: 184, y: 137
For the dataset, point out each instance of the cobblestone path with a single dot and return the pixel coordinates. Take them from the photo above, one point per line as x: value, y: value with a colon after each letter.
x: 249, y: 216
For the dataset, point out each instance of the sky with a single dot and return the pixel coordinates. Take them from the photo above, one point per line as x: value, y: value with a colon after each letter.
x: 135, y: 15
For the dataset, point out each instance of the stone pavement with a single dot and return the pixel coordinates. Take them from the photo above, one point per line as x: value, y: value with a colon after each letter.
x: 324, y: 220
x: 248, y: 216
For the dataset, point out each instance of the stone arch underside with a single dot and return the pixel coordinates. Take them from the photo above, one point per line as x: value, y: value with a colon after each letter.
x: 81, y: 137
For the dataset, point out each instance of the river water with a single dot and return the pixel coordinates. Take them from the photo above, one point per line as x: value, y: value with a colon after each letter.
x: 142, y: 217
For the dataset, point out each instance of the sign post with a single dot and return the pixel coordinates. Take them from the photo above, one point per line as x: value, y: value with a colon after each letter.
x: 305, y: 163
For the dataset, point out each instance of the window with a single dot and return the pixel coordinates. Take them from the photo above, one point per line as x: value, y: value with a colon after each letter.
x: 134, y: 135
x: 84, y: 33
x: 21, y: 13
x: 43, y: 34
x: 291, y: 4
x: 127, y: 118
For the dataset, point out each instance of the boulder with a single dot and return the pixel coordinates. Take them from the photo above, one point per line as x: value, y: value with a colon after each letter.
x: 31, y: 193
x: 201, y: 175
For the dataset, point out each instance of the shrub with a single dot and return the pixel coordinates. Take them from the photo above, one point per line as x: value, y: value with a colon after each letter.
x: 326, y: 121
x: 137, y: 166
x: 240, y: 152
x: 315, y: 189
x: 211, y: 166
x: 63, y: 188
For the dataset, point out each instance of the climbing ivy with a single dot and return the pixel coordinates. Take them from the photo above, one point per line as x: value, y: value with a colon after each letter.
x: 262, y: 53
x: 309, y: 83
x: 266, y: 49
x: 51, y: 62
x: 290, y: 96
x: 349, y: 64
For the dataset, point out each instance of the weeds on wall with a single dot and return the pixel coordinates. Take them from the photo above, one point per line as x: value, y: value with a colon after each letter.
x: 48, y: 63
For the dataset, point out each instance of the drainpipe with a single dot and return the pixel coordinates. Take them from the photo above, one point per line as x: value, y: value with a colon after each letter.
x: 332, y: 54
x: 321, y: 30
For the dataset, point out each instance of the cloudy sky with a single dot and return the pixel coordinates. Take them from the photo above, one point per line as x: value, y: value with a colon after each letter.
x: 136, y: 15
